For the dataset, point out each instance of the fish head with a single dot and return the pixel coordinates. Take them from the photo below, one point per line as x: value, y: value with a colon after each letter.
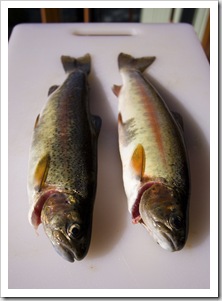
x: 164, y: 217
x: 67, y: 225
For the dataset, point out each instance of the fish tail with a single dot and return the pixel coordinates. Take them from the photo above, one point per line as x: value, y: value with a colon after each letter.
x: 70, y: 63
x: 129, y: 62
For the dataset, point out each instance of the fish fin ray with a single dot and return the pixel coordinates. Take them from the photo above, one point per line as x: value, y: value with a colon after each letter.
x: 70, y: 63
x: 120, y: 120
x: 127, y: 61
x: 41, y: 172
x: 52, y: 89
x: 116, y: 89
x: 138, y: 161
x: 122, y: 136
x: 97, y: 123
x: 179, y: 119
x: 36, y: 121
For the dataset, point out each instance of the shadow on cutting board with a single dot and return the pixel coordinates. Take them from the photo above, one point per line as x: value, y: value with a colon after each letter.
x: 199, y: 163
x: 110, y: 209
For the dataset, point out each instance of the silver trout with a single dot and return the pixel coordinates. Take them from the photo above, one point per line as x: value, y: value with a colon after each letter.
x: 153, y: 155
x: 63, y: 163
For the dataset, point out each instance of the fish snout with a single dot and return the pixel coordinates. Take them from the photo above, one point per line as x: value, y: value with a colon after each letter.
x: 164, y: 218
x: 169, y: 239
x: 66, y: 249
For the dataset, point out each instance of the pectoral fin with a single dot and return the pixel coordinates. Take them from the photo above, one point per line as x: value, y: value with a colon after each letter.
x: 41, y: 172
x: 138, y: 161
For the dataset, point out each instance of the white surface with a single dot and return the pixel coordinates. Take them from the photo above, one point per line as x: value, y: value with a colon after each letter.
x: 121, y: 255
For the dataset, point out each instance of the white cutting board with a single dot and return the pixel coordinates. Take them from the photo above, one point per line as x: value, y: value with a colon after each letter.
x: 121, y: 255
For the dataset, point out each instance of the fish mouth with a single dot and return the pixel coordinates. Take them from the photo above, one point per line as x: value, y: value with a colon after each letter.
x: 164, y: 237
x: 64, y: 248
x: 166, y: 233
x: 64, y: 251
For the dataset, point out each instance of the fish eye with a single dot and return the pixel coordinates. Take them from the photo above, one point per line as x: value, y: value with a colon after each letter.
x: 75, y: 231
x: 176, y: 222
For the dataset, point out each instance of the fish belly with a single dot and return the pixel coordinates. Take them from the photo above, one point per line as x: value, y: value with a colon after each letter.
x: 64, y: 133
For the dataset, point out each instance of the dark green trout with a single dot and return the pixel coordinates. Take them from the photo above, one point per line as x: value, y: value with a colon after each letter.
x: 62, y: 176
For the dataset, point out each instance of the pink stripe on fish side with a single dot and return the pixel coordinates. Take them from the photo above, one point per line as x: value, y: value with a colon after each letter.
x: 151, y: 115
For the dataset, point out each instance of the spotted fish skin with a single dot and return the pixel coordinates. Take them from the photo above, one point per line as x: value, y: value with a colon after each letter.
x: 153, y: 155
x: 63, y: 162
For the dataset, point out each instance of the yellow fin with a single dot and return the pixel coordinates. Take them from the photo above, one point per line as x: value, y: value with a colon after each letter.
x: 41, y: 172
x: 138, y: 161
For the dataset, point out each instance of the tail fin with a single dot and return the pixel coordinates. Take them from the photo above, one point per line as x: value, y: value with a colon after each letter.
x: 129, y: 62
x: 83, y: 63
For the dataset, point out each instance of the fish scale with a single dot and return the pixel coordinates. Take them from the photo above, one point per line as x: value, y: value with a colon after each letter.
x: 61, y: 138
x: 153, y: 154
x: 162, y: 151
x: 63, y: 163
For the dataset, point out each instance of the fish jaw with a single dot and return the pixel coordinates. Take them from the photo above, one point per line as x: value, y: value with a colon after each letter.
x: 66, y: 249
x: 164, y: 217
x: 67, y: 225
x: 163, y: 235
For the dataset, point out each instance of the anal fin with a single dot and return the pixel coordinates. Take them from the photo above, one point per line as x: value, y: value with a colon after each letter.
x: 41, y: 172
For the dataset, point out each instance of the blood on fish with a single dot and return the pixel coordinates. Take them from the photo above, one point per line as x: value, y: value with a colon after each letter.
x: 36, y: 215
x: 135, y: 210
